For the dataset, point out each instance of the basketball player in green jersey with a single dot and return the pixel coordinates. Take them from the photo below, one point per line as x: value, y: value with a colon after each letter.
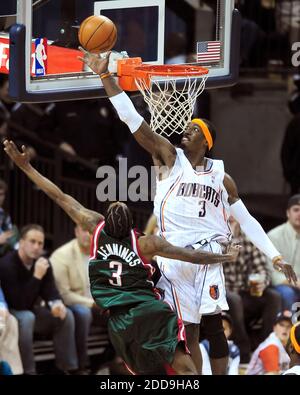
x: 143, y: 329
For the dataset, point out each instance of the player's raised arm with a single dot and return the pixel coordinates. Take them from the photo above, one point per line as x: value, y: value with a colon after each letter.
x: 254, y: 231
x: 159, y: 147
x: 87, y: 219
x: 154, y: 245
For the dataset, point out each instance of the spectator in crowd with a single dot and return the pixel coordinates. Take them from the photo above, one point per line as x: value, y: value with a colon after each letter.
x: 234, y: 352
x: 248, y: 304
x: 293, y: 349
x: 286, y: 238
x: 32, y: 297
x: 271, y: 357
x: 70, y: 268
x: 9, y: 336
x: 8, y: 233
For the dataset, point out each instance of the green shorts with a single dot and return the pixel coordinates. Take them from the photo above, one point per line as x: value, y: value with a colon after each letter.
x: 146, y: 336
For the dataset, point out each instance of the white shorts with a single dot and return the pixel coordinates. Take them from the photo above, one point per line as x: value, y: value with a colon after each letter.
x: 193, y: 290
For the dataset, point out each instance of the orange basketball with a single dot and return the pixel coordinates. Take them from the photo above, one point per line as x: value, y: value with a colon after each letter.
x: 97, y: 33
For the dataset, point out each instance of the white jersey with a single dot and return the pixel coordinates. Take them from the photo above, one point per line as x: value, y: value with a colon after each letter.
x: 191, y: 206
x: 192, y: 209
x: 270, y: 354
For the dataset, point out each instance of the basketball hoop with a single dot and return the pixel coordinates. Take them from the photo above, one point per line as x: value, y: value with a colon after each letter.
x: 170, y: 92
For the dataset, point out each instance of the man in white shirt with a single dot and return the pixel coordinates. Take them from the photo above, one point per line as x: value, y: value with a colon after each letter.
x: 286, y: 238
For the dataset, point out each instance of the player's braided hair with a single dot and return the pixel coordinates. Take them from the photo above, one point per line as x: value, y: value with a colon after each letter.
x: 118, y: 221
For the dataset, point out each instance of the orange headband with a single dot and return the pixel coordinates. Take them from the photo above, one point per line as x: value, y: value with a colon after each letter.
x: 205, y: 131
x: 294, y: 342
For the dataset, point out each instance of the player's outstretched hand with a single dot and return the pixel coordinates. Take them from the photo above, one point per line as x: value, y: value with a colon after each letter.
x: 21, y: 159
x: 281, y: 266
x: 94, y: 61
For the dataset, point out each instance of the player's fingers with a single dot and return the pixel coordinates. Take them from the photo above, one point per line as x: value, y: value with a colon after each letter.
x: 288, y: 274
x: 24, y: 149
x: 82, y: 49
x: 13, y: 147
x: 294, y: 276
x: 82, y: 59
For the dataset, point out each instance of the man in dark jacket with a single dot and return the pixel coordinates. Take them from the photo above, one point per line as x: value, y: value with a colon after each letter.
x: 32, y: 297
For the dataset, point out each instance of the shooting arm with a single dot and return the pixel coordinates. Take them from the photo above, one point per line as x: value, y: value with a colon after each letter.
x: 159, y: 147
x: 154, y: 245
x: 88, y: 219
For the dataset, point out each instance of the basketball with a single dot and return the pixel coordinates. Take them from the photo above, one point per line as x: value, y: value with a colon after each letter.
x: 97, y: 33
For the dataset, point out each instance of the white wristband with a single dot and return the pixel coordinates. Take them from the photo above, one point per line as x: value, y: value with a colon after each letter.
x: 126, y: 111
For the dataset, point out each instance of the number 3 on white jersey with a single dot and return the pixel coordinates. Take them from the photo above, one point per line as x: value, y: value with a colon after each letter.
x: 116, y: 275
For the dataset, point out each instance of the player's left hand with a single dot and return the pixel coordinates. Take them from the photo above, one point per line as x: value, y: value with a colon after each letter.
x: 98, y: 64
x: 281, y: 266
x: 21, y: 159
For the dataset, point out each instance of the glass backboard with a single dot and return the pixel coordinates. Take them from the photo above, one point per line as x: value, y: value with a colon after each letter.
x: 43, y: 47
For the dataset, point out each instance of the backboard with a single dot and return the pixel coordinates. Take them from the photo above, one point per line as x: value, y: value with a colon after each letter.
x: 43, y: 64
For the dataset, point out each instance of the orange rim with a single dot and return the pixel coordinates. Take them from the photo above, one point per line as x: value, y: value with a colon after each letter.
x: 147, y: 71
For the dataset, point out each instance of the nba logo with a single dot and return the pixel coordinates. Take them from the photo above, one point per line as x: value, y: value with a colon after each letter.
x: 40, y: 61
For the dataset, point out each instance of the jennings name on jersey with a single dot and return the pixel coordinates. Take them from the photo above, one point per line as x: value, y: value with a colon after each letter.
x: 119, y: 276
x: 191, y: 206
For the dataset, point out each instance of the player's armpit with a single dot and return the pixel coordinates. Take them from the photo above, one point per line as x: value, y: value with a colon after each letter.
x: 158, y: 146
x: 231, y: 189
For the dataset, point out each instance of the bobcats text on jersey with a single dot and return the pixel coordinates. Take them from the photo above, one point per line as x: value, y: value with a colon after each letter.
x: 193, y: 189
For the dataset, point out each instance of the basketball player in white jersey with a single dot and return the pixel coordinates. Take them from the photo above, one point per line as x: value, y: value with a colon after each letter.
x: 194, y: 200
x: 293, y: 349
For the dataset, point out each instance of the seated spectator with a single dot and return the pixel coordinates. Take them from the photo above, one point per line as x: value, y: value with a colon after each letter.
x: 248, y: 304
x: 286, y: 238
x: 70, y: 268
x: 26, y: 279
x: 271, y: 357
x: 9, y: 336
x: 234, y: 352
x: 293, y: 349
x: 8, y: 233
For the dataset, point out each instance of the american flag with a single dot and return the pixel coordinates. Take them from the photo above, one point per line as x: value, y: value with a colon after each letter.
x: 208, y: 51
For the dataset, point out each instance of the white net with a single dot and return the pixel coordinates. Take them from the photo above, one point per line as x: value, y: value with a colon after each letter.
x: 170, y: 103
